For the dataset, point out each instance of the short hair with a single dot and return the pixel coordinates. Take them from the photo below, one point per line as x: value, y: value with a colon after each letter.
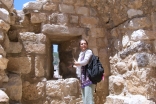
x: 84, y: 40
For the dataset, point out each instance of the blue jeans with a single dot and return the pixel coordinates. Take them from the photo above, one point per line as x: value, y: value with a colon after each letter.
x: 87, y: 94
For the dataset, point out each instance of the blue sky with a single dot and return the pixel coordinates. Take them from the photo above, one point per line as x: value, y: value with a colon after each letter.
x: 18, y: 5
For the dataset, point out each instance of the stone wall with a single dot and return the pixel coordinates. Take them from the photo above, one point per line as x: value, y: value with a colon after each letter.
x: 26, y: 54
x: 120, y: 32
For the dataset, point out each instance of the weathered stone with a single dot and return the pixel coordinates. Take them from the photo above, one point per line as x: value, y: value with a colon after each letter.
x: 8, y: 3
x: 3, y: 63
x: 61, y: 29
x: 38, y: 17
x: 121, y: 67
x: 136, y: 47
x: 4, y: 25
x: 143, y: 35
x: 39, y: 66
x: 142, y: 59
x: 66, y: 8
x: 135, y: 4
x: 116, y: 84
x: 138, y: 23
x: 56, y: 1
x: 14, y: 47
x: 128, y: 100
x: 4, y: 15
x: 74, y: 19
x: 33, y: 91
x: 82, y: 10
x: 19, y: 64
x: 50, y: 7
x: 2, y: 52
x: 31, y: 36
x: 31, y: 47
x: 153, y: 18
x: 62, y: 19
x: 3, y: 97
x: 89, y: 21
x: 92, y: 42
x: 101, y: 42
x: 14, y: 87
x: 32, y: 5
x: 80, y: 2
x: 132, y: 12
x: 69, y: 1
x: 125, y: 40
x: 93, y: 12
x: 68, y: 87
x: 53, y: 88
x: 53, y: 18
x: 1, y: 36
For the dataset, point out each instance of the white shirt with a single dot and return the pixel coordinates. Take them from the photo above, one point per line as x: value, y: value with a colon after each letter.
x: 87, y: 53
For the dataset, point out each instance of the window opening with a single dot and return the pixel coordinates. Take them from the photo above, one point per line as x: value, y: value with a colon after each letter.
x: 56, y: 61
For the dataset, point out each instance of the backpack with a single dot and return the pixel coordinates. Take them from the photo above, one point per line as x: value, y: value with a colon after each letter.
x: 95, y: 69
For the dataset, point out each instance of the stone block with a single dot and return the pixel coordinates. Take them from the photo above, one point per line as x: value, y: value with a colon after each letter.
x: 3, y: 25
x: 62, y: 19
x: 38, y: 17
x: 142, y: 59
x: 31, y: 36
x: 49, y: 7
x: 80, y: 3
x: 82, y: 10
x: 8, y: 3
x: 133, y: 12
x: 74, y: 19
x: 101, y: 43
x: 153, y: 18
x: 53, y: 18
x: 19, y: 64
x: 34, y: 91
x: 138, y: 23
x: 89, y: 21
x: 4, y: 15
x: 66, y: 8
x: 4, y: 97
x: 143, y: 35
x: 116, y: 85
x: 56, y: 1
x: 14, y: 47
x: 135, y: 99
x: 121, y: 67
x: 39, y: 66
x: 69, y: 1
x: 93, y: 12
x: 31, y: 47
x: 92, y: 43
x: 61, y: 29
x: 71, y: 87
x: 53, y: 89
x: 3, y: 63
x: 32, y: 5
x: 14, y: 87
x: 97, y: 32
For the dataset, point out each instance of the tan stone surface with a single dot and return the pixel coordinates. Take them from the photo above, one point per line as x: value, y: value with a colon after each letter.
x: 14, y: 87
x: 19, y: 64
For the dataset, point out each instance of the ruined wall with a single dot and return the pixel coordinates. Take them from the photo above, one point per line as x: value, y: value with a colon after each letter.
x: 27, y: 53
x: 121, y: 32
